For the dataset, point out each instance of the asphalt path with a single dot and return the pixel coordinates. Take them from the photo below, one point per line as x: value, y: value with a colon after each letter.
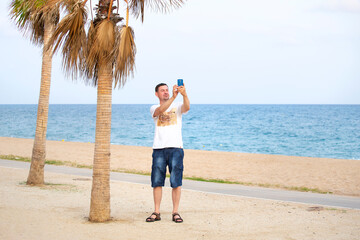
x: 313, y: 199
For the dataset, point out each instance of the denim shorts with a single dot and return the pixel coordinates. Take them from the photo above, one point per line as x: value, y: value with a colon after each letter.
x: 172, y: 157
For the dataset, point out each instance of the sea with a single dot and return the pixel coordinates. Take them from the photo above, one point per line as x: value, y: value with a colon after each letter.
x: 326, y: 131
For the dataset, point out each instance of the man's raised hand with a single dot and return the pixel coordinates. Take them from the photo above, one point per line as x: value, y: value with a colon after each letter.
x: 175, y: 91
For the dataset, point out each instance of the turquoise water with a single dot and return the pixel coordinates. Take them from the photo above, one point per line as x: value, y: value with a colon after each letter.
x: 331, y: 131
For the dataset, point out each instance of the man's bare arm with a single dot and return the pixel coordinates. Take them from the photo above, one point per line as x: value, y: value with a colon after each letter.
x: 166, y: 104
x: 163, y: 107
x: 186, y: 102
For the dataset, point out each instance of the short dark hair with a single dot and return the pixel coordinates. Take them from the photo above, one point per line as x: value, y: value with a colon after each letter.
x: 159, y: 85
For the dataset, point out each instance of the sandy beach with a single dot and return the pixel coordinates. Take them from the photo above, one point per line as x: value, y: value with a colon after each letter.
x: 60, y: 209
x: 339, y: 176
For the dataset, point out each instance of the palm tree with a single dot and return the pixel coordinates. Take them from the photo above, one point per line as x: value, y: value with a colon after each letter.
x: 31, y: 17
x: 104, y: 56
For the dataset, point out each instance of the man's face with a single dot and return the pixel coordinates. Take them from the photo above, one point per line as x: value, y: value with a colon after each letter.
x: 163, y: 93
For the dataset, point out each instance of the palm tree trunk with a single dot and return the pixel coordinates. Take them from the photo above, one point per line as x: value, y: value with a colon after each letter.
x: 100, y: 192
x: 36, y: 173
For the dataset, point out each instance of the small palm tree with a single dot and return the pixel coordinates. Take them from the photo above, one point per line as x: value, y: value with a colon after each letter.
x: 103, y: 56
x: 31, y: 17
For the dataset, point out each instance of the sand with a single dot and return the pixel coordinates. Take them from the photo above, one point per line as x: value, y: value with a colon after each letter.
x: 60, y: 210
x: 339, y: 176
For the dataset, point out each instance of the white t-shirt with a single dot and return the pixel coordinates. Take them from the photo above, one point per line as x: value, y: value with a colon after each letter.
x: 168, y: 127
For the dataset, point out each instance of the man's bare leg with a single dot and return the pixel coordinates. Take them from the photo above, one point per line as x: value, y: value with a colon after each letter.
x: 176, y: 194
x: 157, y: 192
x: 155, y: 216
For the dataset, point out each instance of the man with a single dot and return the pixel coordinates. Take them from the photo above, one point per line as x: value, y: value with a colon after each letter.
x: 168, y: 147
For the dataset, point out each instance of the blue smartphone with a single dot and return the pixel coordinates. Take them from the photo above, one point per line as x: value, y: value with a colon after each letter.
x: 180, y: 82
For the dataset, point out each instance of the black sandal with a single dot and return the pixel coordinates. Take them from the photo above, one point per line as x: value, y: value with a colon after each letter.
x: 177, y: 220
x: 157, y: 217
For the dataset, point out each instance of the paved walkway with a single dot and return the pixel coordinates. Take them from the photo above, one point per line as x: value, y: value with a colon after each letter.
x: 216, y: 188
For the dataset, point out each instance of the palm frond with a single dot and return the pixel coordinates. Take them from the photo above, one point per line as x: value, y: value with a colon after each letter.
x: 105, y: 36
x: 125, y: 55
x: 30, y: 17
x: 138, y: 6
x: 100, y: 48
x: 70, y: 34
x: 64, y: 3
x: 37, y: 27
x: 91, y: 65
x: 20, y: 11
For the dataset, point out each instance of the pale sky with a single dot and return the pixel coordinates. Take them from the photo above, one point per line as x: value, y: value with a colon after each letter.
x: 227, y: 52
